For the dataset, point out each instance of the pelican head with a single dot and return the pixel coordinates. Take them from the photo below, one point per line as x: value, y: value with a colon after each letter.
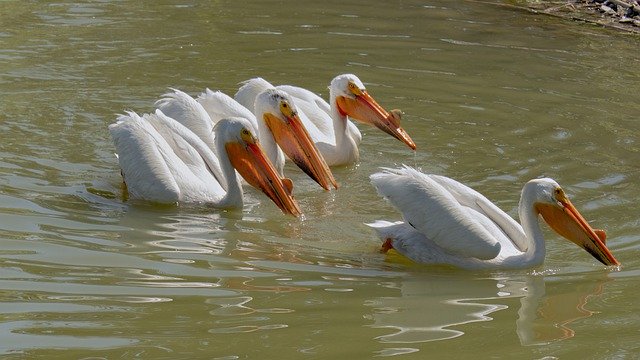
x: 551, y: 202
x: 353, y: 100
x: 237, y: 137
x: 281, y: 117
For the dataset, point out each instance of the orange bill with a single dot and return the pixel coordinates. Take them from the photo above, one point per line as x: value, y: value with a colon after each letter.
x: 254, y: 166
x: 294, y: 140
x: 570, y: 224
x: 365, y: 109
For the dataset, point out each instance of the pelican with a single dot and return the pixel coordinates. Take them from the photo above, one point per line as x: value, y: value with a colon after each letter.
x: 163, y: 161
x: 276, y: 120
x: 446, y: 222
x: 337, y: 138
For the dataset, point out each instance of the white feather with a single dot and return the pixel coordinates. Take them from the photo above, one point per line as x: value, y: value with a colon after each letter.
x: 446, y: 222
x: 181, y: 107
x: 433, y: 211
x: 337, y: 144
x: 163, y: 161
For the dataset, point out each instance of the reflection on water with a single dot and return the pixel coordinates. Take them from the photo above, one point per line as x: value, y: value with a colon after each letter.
x: 17, y: 336
x: 440, y: 307
x: 547, y: 316
x: 429, y: 311
x: 492, y: 98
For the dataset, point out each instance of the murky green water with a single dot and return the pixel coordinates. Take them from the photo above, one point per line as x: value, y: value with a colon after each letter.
x: 492, y: 98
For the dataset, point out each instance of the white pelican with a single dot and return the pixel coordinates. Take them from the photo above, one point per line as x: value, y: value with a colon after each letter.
x: 328, y: 124
x: 276, y: 120
x: 446, y: 222
x: 163, y: 161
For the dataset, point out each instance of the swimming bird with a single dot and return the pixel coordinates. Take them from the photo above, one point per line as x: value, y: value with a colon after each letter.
x: 446, y: 222
x: 328, y: 124
x: 279, y: 128
x: 163, y: 161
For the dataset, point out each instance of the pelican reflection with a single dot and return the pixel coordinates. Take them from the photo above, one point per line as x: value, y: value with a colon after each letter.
x: 442, y: 306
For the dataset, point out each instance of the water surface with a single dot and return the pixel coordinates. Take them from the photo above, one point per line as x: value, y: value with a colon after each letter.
x: 492, y: 98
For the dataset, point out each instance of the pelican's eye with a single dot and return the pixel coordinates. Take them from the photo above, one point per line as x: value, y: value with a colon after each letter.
x: 559, y: 195
x: 286, y: 109
x: 247, y: 136
x: 355, y: 90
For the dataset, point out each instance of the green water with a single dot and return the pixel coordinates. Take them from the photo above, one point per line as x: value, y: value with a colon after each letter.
x: 491, y: 97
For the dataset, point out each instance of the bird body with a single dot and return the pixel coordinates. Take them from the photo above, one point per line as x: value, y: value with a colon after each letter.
x: 315, y: 112
x: 163, y: 161
x: 446, y: 222
x: 166, y: 162
x: 328, y: 124
x: 278, y: 127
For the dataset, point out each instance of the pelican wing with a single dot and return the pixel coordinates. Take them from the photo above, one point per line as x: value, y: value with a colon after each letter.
x: 161, y: 160
x: 472, y: 199
x: 187, y: 146
x: 436, y: 213
x: 249, y: 91
x: 314, y: 112
x: 181, y: 107
x: 142, y: 161
x: 318, y: 112
x: 219, y: 105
